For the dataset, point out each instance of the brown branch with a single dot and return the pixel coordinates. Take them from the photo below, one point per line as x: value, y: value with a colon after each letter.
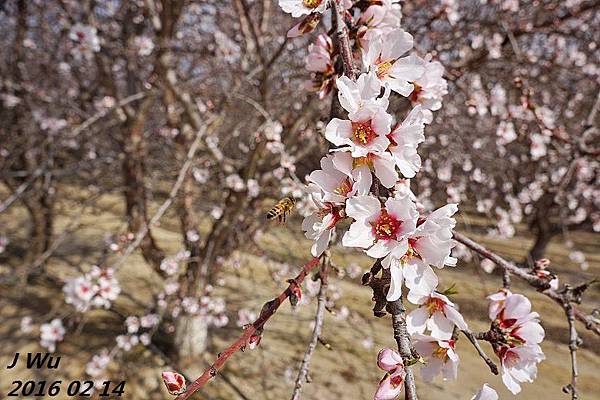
x: 574, y: 342
x: 398, y: 312
x: 267, y: 312
x: 562, y: 297
x: 475, y: 343
x: 343, y: 39
x: 522, y: 273
x: 312, y: 345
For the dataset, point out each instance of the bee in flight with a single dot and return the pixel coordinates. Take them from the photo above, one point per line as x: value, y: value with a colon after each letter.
x: 282, y: 209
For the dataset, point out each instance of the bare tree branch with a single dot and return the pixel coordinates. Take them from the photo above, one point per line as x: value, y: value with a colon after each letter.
x: 312, y: 345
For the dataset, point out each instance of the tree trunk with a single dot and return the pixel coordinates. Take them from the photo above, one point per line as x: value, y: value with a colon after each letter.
x: 544, y: 233
x: 539, y: 246
x: 191, y: 337
x: 135, y: 190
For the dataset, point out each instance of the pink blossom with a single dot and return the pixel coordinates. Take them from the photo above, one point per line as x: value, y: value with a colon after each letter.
x: 430, y: 88
x: 337, y: 185
x: 519, y: 364
x: 485, y: 393
x: 50, y: 333
x: 299, y: 8
x: 383, y: 232
x: 360, y: 97
x: 26, y: 324
x: 318, y: 226
x: 497, y: 302
x: 439, y: 355
x: 127, y: 342
x: 389, y: 359
x: 384, y: 58
x: 86, y: 39
x: 98, y: 288
x: 436, y: 313
x: 97, y: 365
x: 363, y: 135
x: 405, y: 138
x: 245, y: 317
x: 391, y: 385
x: 379, y: 18
x: 319, y: 63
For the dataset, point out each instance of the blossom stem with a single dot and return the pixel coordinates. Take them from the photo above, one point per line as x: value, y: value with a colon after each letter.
x: 475, y: 343
x: 268, y: 310
x: 573, y: 346
x: 343, y: 39
x: 312, y: 345
x: 398, y: 312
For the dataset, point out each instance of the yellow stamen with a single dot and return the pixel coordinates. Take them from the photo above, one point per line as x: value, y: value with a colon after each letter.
x: 384, y: 67
x: 312, y: 3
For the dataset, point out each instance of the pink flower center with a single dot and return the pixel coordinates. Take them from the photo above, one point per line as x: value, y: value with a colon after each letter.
x: 363, y: 133
x: 435, y: 304
x: 396, y: 380
x: 312, y: 3
x: 386, y: 227
x: 414, y: 96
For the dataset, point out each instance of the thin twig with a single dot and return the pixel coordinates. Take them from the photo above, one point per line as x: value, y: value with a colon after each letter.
x: 512, y: 268
x: 475, y: 343
x: 267, y: 312
x: 312, y: 345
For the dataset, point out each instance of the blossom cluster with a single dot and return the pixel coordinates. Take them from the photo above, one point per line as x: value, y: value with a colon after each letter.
x: 85, y: 41
x: 365, y: 180
x: 519, y: 349
x: 95, y: 289
x: 370, y: 150
x: 51, y: 333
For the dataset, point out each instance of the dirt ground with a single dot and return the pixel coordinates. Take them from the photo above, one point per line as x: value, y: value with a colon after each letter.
x: 347, y: 370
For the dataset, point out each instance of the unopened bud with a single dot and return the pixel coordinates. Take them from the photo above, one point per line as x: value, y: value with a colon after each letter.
x: 174, y: 382
x: 295, y: 295
x: 254, y: 341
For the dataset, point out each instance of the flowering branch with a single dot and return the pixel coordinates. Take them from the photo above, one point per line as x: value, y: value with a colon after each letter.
x: 564, y: 297
x: 312, y: 345
x: 252, y: 333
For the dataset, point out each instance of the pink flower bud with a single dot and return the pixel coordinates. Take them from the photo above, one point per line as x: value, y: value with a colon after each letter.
x: 391, y: 385
x: 296, y: 295
x: 174, y: 382
x: 254, y: 341
x: 389, y: 360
